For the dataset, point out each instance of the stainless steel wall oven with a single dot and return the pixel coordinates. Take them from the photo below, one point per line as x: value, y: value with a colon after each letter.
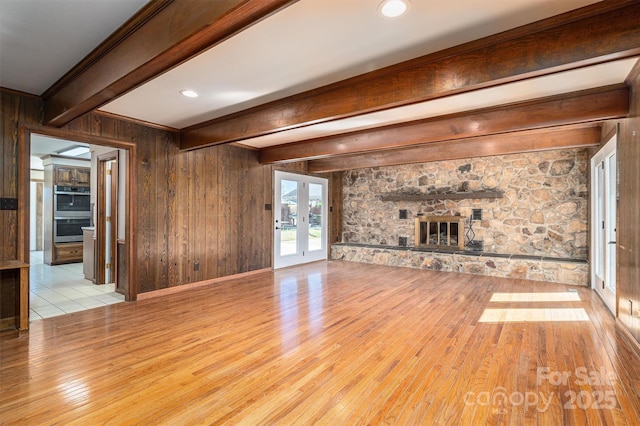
x: 71, y: 201
x: 69, y: 229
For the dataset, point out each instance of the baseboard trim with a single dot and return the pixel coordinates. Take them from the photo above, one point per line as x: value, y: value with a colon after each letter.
x: 8, y: 323
x: 190, y: 286
x: 635, y: 345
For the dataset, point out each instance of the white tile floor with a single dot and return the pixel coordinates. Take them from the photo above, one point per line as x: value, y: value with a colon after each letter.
x: 62, y: 289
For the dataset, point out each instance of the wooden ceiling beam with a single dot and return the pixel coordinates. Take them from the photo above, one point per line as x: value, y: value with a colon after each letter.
x: 160, y: 36
x: 483, y: 146
x: 599, y: 33
x: 577, y: 107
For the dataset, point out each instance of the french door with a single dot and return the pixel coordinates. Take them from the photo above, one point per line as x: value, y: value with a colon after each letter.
x: 603, y: 224
x: 300, y: 216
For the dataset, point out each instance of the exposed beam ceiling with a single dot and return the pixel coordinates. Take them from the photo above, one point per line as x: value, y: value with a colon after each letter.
x: 600, y: 33
x: 482, y: 146
x: 590, y: 105
x: 161, y: 36
x: 437, y: 103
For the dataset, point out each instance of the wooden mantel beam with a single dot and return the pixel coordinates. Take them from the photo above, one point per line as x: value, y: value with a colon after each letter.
x: 162, y: 35
x: 483, y: 146
x: 599, y: 33
x: 578, y: 107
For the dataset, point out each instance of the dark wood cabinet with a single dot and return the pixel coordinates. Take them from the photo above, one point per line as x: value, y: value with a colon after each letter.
x: 71, y: 176
x: 62, y: 171
x: 67, y: 253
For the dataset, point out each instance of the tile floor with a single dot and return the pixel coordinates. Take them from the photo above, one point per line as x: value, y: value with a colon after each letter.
x: 61, y: 289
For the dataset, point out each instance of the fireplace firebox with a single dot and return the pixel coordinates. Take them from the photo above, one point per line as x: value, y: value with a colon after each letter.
x: 440, y: 232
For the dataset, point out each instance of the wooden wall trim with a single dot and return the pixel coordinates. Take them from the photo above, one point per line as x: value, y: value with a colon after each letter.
x: 484, y: 146
x: 577, y: 107
x: 131, y: 207
x: 80, y: 136
x: 136, y: 54
x: 24, y: 197
x: 633, y: 343
x: 595, y: 34
x: 172, y: 290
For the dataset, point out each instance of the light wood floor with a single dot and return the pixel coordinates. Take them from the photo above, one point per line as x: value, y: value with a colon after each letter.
x: 329, y: 343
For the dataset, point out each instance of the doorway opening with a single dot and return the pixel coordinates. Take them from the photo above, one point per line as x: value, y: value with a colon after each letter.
x: 61, y: 235
x: 300, y: 216
x: 604, y: 200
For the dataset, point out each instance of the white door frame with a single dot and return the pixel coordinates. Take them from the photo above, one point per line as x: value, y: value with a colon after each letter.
x: 302, y: 252
x: 603, y: 223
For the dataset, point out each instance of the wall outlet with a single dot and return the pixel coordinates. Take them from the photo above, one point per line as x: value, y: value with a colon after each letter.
x: 196, y: 266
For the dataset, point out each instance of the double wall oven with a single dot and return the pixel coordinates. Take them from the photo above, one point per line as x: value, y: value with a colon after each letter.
x: 71, y: 212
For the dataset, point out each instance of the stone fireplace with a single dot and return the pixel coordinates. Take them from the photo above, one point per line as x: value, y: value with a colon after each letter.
x: 440, y: 232
x: 536, y: 229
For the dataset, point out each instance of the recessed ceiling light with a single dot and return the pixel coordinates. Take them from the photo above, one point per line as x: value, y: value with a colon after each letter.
x: 393, y: 8
x: 189, y: 93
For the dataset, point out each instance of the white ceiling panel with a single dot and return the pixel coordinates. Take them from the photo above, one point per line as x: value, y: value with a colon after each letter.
x: 314, y: 43
x: 40, y: 40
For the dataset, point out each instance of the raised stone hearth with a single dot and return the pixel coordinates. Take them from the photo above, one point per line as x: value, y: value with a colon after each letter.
x: 557, y: 270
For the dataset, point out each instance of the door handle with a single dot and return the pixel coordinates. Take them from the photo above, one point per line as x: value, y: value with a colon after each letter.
x: 612, y: 242
x: 277, y: 227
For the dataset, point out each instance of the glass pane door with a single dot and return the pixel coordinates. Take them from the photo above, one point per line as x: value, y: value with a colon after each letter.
x: 300, y: 211
x: 288, y: 215
x: 604, y: 180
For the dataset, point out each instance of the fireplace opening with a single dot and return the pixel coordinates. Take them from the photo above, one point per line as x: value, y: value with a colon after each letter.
x: 440, y: 232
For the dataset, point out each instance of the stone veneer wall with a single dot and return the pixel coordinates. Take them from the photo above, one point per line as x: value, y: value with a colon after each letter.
x: 543, y: 214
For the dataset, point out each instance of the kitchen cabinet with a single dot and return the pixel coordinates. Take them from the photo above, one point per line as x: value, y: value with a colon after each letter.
x: 71, y: 176
x: 65, y: 210
x: 67, y: 252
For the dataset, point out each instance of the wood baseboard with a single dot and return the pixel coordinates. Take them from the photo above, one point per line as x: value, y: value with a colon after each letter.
x: 184, y: 287
x: 8, y: 323
x: 628, y: 336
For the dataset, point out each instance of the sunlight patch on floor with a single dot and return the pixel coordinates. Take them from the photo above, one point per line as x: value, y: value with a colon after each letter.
x: 534, y: 315
x: 536, y: 297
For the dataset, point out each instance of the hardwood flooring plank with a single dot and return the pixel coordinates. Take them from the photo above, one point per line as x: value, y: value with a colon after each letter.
x: 326, y: 343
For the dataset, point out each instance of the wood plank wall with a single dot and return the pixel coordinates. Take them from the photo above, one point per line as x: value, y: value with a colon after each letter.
x: 628, y: 234
x: 207, y: 206
x: 201, y: 213
x: 15, y: 109
x: 335, y: 207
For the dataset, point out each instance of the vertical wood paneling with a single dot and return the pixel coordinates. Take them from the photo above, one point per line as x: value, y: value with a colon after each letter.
x: 205, y: 205
x: 628, y: 234
x: 122, y: 271
x: 182, y: 229
x: 209, y: 262
x: 224, y: 179
x: 145, y: 185
x: 235, y: 219
x: 335, y: 206
x: 15, y: 110
x: 171, y: 216
x: 200, y: 214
